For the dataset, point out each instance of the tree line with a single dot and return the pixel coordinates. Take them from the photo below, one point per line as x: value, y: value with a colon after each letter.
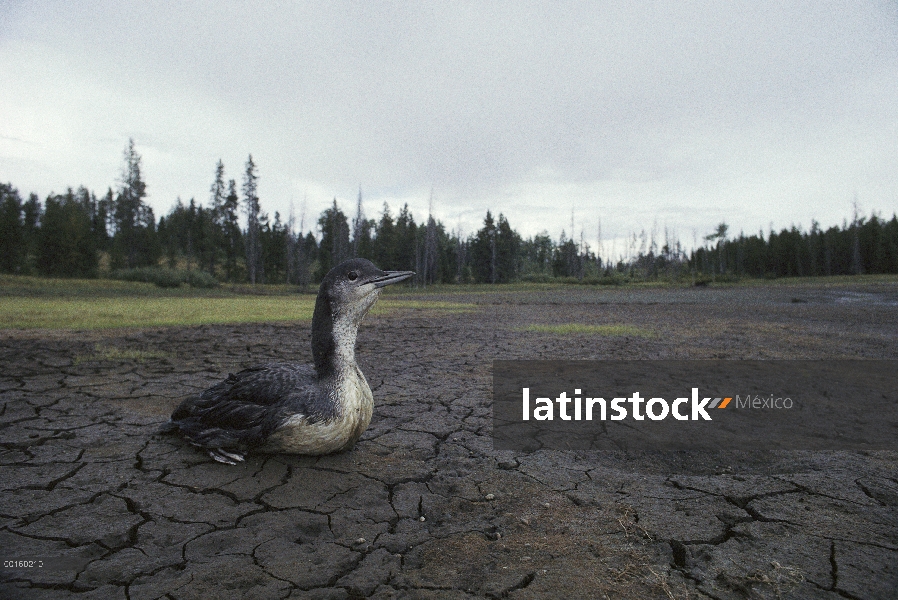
x: 80, y: 234
x: 865, y: 245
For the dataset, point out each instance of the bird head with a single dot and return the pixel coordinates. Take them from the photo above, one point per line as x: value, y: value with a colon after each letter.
x: 352, y: 287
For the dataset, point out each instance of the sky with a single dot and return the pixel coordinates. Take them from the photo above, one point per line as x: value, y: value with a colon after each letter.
x: 618, y: 116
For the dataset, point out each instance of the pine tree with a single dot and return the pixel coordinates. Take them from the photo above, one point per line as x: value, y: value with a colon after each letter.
x: 334, y: 247
x: 172, y: 233
x: 856, y: 263
x: 385, y: 243
x: 299, y: 252
x: 12, y: 230
x: 508, y: 244
x: 406, y: 236
x: 217, y: 226
x: 494, y: 251
x: 275, y: 241
x: 98, y: 218
x: 204, y: 234
x: 233, y: 239
x: 483, y: 251
x: 462, y: 266
x: 190, y: 233
x: 251, y: 203
x: 32, y: 212
x: 66, y: 245
x: 107, y: 209
x: 134, y: 243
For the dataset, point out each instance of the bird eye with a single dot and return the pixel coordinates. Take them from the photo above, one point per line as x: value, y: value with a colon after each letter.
x: 353, y: 276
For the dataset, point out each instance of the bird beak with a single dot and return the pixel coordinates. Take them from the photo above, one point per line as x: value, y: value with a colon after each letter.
x: 390, y: 277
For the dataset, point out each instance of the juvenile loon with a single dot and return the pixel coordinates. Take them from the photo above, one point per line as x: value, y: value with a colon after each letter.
x: 293, y: 408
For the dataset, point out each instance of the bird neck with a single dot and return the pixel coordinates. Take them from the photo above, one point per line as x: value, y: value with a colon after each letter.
x: 333, y: 339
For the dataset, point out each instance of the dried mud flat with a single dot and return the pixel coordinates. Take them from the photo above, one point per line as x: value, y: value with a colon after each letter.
x: 423, y: 507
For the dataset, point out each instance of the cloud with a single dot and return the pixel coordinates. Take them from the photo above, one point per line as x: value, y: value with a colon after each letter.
x: 687, y: 112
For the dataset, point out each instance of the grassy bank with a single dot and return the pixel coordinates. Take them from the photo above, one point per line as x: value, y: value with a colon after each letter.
x: 102, y: 313
x: 42, y: 303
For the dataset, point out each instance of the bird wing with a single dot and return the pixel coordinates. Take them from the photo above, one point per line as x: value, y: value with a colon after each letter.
x: 247, y: 407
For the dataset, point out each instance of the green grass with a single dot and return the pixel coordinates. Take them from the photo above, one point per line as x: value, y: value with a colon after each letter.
x: 582, y: 329
x: 103, y: 313
x: 42, y: 303
x: 46, y: 287
x: 25, y: 286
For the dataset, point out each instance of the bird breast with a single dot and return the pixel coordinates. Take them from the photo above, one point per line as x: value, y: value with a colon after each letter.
x: 356, y: 405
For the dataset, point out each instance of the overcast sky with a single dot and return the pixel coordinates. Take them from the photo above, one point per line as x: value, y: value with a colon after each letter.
x: 644, y: 114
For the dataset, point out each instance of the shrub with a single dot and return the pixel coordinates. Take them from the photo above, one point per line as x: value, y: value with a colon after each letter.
x: 166, y: 278
x: 201, y: 279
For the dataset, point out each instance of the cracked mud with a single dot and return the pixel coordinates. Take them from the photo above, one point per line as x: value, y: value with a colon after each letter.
x: 423, y: 507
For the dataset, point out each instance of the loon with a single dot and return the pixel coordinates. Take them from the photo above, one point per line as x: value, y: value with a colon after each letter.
x: 294, y: 408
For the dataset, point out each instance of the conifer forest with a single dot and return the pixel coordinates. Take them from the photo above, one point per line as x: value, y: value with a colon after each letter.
x: 230, y: 238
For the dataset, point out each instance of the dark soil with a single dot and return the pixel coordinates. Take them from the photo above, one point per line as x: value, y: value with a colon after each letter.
x: 424, y: 507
